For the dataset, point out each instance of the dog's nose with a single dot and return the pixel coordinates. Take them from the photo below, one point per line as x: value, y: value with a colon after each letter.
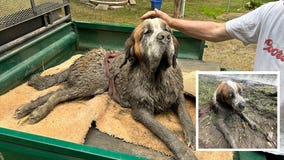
x: 164, y: 37
x: 242, y: 106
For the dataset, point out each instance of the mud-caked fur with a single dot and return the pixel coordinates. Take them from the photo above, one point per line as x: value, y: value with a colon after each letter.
x: 146, y: 78
x: 228, y: 100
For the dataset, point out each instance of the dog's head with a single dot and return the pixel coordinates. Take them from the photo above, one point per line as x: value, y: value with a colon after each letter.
x: 229, y: 93
x: 152, y: 43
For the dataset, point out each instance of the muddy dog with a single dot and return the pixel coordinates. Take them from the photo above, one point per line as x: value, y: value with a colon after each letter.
x: 227, y: 98
x: 146, y: 78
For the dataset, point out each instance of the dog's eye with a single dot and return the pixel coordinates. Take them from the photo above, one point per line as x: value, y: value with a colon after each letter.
x: 240, y: 91
x: 147, y: 31
x: 167, y: 30
x: 231, y: 95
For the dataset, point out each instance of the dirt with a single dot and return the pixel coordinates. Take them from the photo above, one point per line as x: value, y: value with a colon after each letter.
x: 231, y: 54
x: 262, y: 109
x: 229, y: 15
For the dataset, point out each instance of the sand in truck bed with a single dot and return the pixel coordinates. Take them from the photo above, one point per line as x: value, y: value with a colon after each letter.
x: 70, y: 121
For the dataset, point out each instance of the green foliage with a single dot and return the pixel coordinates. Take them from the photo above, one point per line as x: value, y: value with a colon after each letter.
x: 194, y: 9
x: 206, y: 90
x: 212, y: 12
x: 252, y: 4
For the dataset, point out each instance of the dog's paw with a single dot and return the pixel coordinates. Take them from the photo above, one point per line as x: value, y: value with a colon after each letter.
x: 188, y: 155
x: 190, y: 140
x: 33, y: 119
x: 253, y: 125
x: 38, y: 114
x: 172, y: 158
x: 23, y: 111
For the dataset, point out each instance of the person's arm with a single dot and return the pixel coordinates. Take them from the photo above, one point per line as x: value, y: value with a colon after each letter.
x: 206, y: 30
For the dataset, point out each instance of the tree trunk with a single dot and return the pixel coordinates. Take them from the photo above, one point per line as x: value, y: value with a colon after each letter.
x: 179, y: 8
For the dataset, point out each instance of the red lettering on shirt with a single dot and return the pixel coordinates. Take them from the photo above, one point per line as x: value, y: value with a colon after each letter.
x: 278, y: 53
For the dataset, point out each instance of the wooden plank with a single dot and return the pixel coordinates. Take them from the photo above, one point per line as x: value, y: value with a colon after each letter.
x: 118, y: 3
x: 189, y: 68
x: 189, y: 83
x: 197, y: 65
x: 179, y: 8
x: 132, y: 2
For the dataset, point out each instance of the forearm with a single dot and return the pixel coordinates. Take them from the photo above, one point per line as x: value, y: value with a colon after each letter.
x: 206, y: 30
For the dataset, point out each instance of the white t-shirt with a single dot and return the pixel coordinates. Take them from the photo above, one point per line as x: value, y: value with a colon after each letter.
x: 265, y: 27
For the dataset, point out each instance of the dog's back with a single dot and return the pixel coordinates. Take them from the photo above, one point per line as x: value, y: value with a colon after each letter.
x: 88, y: 70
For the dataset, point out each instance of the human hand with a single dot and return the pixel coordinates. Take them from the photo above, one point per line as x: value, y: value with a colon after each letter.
x: 150, y: 14
x: 157, y: 13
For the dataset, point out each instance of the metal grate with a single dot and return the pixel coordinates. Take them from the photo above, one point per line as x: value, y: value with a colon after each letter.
x: 24, y: 20
x: 18, y: 11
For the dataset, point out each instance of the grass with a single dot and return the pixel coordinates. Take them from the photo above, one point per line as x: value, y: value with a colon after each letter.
x: 128, y: 15
x: 194, y: 9
x: 206, y: 90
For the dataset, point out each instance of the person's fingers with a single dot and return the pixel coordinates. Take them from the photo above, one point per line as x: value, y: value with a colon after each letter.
x: 162, y: 15
x: 149, y: 14
x: 157, y: 12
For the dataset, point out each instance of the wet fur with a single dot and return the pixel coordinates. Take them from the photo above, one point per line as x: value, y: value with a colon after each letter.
x: 146, y: 78
x: 228, y: 100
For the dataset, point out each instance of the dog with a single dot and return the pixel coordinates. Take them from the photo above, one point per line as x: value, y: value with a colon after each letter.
x: 145, y: 78
x: 228, y: 98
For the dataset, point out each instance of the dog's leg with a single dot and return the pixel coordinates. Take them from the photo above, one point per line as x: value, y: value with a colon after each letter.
x: 145, y: 117
x: 42, y: 82
x: 29, y: 107
x: 186, y: 121
x: 57, y: 97
x: 251, y: 123
x: 222, y: 127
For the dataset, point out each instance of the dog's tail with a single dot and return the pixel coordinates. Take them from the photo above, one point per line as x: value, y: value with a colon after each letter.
x: 42, y: 82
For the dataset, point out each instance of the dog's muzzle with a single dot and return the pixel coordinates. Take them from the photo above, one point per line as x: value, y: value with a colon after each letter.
x: 239, y: 104
x: 242, y: 106
x: 164, y: 37
x: 160, y: 51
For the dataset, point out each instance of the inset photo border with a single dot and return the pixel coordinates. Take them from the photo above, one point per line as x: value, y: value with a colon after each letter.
x: 237, y: 111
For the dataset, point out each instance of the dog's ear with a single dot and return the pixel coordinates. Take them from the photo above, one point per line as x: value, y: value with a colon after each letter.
x: 240, y: 88
x: 129, y: 51
x: 219, y: 97
x: 176, y: 46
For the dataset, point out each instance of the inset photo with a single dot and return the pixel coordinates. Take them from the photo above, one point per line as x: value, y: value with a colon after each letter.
x: 238, y: 110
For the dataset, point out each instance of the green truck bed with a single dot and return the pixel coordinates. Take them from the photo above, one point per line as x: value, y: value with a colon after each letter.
x: 69, y: 39
x: 52, y: 48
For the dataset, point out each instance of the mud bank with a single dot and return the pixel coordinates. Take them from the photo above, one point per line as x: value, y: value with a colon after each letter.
x: 262, y: 109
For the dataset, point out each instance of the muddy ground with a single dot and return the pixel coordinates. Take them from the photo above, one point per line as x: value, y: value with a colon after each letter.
x: 230, y: 54
x: 262, y: 108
